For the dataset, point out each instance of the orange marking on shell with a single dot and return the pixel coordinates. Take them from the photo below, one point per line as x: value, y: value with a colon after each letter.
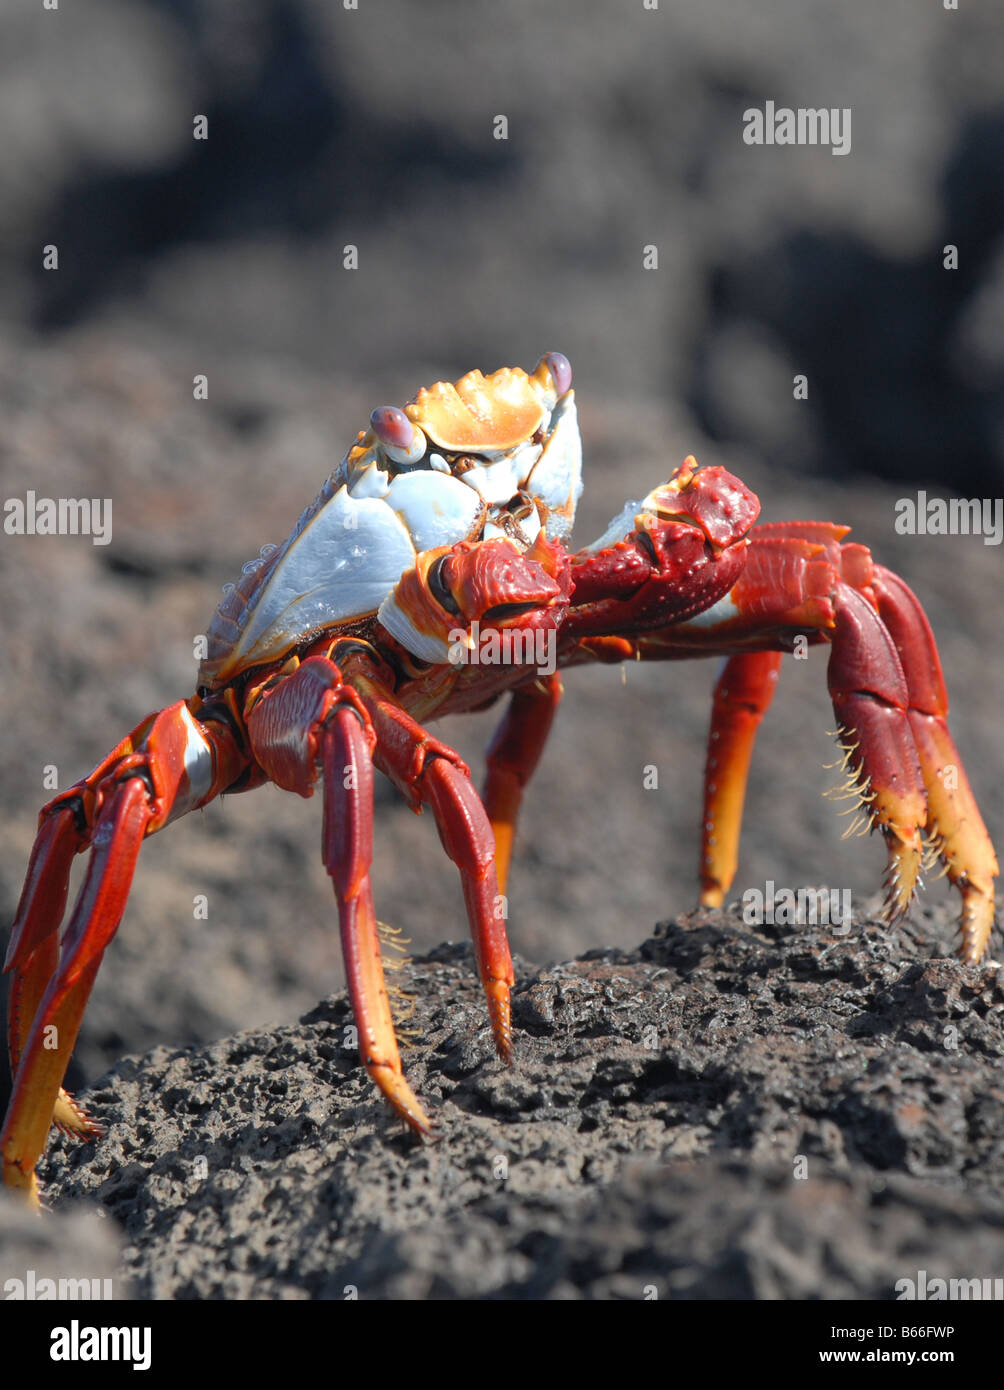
x: 479, y: 412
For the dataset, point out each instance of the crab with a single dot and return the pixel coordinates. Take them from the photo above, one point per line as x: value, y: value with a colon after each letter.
x: 428, y: 577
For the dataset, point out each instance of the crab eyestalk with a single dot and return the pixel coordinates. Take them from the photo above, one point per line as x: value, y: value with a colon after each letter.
x: 560, y: 369
x: 402, y: 441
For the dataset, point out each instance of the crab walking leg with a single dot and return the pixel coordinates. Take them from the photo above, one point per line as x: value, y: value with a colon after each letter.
x: 34, y: 944
x: 427, y: 771
x: 167, y: 766
x: 512, y: 758
x: 867, y: 684
x: 310, y: 716
x: 348, y: 850
x: 799, y: 580
x: 467, y: 837
x: 954, y: 823
x: 870, y: 700
x: 743, y: 693
x: 117, y: 837
x: 286, y: 722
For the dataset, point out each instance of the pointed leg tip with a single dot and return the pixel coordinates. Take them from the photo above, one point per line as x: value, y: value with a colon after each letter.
x: 410, y: 1110
x: 422, y: 1125
x: 500, y: 1016
x: 400, y: 1097
x: 976, y: 927
x: 894, y: 910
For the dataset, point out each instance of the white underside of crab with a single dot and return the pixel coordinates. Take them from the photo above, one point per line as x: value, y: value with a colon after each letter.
x: 374, y: 518
x: 556, y: 480
x: 421, y: 644
x: 618, y: 527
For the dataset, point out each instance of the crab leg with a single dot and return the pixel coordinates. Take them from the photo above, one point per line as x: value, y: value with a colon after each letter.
x: 430, y: 772
x: 792, y: 586
x: 888, y: 693
x: 870, y: 699
x: 297, y: 722
x: 347, y: 757
x: 800, y: 576
x: 34, y: 945
x: 743, y: 694
x: 954, y: 824
x: 466, y: 834
x: 117, y: 837
x: 512, y: 758
x: 168, y: 765
x: 311, y: 716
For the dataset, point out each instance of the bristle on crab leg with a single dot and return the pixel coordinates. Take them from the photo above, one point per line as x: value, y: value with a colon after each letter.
x: 955, y: 828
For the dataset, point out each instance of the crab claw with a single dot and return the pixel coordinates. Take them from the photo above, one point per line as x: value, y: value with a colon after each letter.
x: 722, y: 506
x: 487, y: 582
x: 712, y: 499
x: 492, y: 581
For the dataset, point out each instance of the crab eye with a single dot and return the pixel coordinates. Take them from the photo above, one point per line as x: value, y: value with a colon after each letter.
x: 391, y: 426
x: 401, y: 440
x: 561, y: 370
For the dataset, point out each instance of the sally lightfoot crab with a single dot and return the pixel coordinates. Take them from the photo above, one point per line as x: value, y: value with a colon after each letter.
x: 446, y: 524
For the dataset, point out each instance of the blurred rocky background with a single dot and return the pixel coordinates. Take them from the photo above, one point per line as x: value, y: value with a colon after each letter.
x: 374, y: 127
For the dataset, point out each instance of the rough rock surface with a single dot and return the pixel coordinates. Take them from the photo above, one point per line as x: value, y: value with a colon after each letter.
x: 179, y: 257
x: 728, y: 1111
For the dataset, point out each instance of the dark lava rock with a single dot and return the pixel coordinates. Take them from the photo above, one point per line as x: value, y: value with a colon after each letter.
x: 727, y: 1112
